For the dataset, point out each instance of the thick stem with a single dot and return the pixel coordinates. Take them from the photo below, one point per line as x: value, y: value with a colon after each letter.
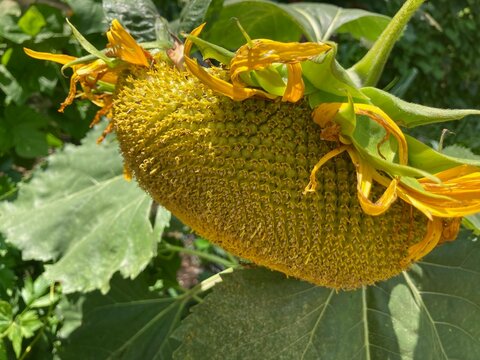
x: 369, y: 69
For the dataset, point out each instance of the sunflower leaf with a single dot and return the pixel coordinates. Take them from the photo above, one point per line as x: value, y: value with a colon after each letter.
x: 322, y: 20
x: 411, y: 115
x: 429, y: 312
x: 85, y: 217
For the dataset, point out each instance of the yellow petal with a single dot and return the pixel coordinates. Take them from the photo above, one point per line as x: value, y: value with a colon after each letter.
x: 262, y: 53
x: 379, y: 116
x: 429, y: 241
x: 324, y: 113
x: 460, y: 196
x: 365, y: 174
x: 312, y: 185
x: 213, y: 82
x: 58, y: 58
x: 124, y: 45
x: 295, y: 86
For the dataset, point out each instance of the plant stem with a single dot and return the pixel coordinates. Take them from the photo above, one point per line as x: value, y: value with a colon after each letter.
x: 200, y: 254
x: 369, y: 69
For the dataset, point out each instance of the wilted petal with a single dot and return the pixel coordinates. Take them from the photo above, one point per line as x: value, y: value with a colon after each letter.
x: 428, y: 243
x: 58, y: 58
x: 295, y: 86
x: 261, y: 53
x: 215, y: 83
x: 124, y: 45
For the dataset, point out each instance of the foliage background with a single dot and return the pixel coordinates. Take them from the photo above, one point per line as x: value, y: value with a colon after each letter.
x: 436, y: 63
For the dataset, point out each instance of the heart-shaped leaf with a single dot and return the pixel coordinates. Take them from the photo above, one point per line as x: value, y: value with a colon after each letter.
x: 429, y: 312
x: 129, y: 322
x: 85, y: 216
x: 322, y: 20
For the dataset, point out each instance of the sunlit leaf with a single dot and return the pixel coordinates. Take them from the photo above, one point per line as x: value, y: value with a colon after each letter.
x: 82, y: 214
x: 411, y: 115
x: 138, y: 16
x: 32, y: 21
x: 429, y: 312
x: 196, y: 12
x: 322, y: 20
x: 260, y: 19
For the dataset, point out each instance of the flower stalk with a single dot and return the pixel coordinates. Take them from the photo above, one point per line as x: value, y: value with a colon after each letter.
x: 369, y: 69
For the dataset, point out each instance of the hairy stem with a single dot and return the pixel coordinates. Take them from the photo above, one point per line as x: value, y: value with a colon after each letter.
x: 369, y: 69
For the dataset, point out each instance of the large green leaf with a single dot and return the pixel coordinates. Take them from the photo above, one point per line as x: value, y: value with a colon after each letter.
x: 129, y: 322
x: 83, y: 215
x: 410, y: 115
x: 322, y: 20
x: 88, y: 16
x: 260, y: 19
x: 196, y: 12
x: 138, y: 16
x: 430, y: 312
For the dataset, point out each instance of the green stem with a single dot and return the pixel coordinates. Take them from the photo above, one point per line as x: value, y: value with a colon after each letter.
x: 369, y: 69
x: 203, y: 255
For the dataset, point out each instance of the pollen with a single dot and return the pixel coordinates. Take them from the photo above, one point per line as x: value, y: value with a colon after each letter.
x: 236, y: 171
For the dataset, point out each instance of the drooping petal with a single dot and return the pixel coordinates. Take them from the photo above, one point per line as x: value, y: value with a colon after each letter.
x: 379, y: 116
x: 456, y: 196
x: 124, y: 45
x: 215, y: 83
x: 365, y: 174
x: 295, y: 86
x: 428, y: 243
x: 262, y: 53
x: 312, y: 185
x: 58, y: 58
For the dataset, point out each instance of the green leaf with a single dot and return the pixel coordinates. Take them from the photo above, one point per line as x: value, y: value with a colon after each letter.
x: 30, y: 142
x: 3, y: 350
x: 88, y: 16
x: 195, y: 12
x: 32, y: 21
x: 472, y: 222
x: 23, y: 124
x: 28, y: 323
x: 10, y: 86
x: 128, y: 323
x: 10, y: 11
x: 6, y: 315
x: 322, y: 20
x: 260, y: 19
x: 329, y: 77
x: 429, y: 312
x: 85, y: 216
x: 410, y: 115
x: 424, y: 157
x: 138, y: 16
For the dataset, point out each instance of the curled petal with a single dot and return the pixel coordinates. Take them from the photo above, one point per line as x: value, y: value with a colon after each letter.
x: 364, y: 184
x: 261, y: 53
x: 124, y: 45
x: 215, y: 83
x: 312, y: 185
x: 457, y: 196
x: 428, y: 243
x: 295, y: 86
x: 379, y: 116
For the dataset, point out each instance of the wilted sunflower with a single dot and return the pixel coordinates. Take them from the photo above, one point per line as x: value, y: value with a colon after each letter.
x: 256, y: 156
